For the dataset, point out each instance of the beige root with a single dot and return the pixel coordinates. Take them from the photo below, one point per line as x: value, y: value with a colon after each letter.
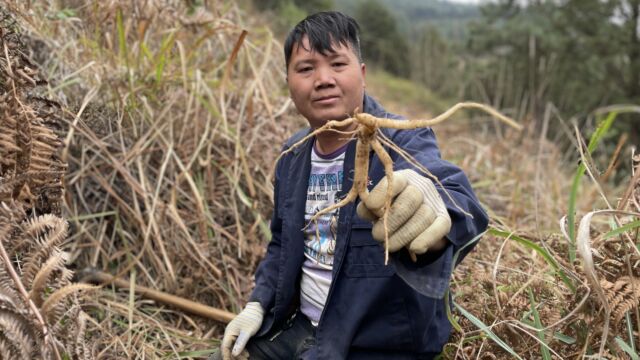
x: 369, y: 138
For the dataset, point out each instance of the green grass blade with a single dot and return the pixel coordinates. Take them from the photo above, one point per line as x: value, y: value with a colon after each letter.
x: 477, y: 322
x: 209, y: 105
x: 626, y: 348
x: 144, y: 51
x: 264, y: 228
x: 484, y: 328
x: 124, y: 54
x: 630, y: 330
x: 537, y: 248
x: 452, y: 319
x: 192, y: 354
x: 571, y: 216
x: 161, y: 58
x: 471, y: 242
x: 544, y: 348
x: 602, y: 129
x: 65, y: 84
x: 92, y: 216
x: 630, y: 226
x: 569, y: 340
x: 160, y: 68
x: 448, y: 306
x: 122, y: 38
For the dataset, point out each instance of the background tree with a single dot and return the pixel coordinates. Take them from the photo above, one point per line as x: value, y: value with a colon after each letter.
x: 578, y: 54
x: 381, y: 41
x: 312, y: 6
x: 287, y: 13
x: 432, y: 62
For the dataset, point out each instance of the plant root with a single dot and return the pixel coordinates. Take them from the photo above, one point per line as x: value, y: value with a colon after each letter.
x: 369, y: 138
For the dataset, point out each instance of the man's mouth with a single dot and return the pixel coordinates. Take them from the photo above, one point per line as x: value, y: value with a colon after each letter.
x: 326, y: 100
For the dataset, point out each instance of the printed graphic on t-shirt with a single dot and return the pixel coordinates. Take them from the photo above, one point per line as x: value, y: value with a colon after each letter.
x: 325, y: 181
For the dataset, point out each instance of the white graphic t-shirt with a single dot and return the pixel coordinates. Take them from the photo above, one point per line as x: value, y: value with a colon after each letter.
x: 325, y: 181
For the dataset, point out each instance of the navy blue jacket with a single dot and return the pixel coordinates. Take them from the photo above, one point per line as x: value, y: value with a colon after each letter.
x: 393, y: 311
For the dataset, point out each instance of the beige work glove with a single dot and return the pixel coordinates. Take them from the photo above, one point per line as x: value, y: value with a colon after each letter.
x: 418, y: 217
x: 241, y: 329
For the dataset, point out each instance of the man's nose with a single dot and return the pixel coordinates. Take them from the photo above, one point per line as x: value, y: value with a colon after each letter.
x: 324, y: 78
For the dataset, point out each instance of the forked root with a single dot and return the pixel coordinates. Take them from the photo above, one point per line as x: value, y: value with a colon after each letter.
x: 369, y: 138
x: 386, y: 160
x: 359, y: 187
x: 332, y: 125
x: 352, y: 195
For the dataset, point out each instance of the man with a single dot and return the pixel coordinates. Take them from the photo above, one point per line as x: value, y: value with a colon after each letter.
x: 325, y: 292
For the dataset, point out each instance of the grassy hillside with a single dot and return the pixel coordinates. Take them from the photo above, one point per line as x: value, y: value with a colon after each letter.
x: 448, y: 17
x: 403, y: 96
x: 175, y: 112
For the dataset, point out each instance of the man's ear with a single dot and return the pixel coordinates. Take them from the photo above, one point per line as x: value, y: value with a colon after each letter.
x: 363, y: 69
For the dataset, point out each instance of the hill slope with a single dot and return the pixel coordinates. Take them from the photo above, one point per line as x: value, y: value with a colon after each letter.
x: 448, y: 17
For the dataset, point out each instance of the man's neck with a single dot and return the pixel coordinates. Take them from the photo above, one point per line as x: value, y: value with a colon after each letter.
x: 329, y: 141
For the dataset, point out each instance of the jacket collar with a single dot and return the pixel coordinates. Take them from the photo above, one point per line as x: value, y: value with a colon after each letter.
x: 371, y: 106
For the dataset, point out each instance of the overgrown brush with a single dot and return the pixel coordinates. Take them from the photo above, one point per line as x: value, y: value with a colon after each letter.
x: 176, y: 116
x: 521, y: 294
x: 40, y: 313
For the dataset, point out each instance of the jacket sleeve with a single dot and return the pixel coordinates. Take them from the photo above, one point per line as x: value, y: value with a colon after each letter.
x: 431, y: 272
x: 266, y: 275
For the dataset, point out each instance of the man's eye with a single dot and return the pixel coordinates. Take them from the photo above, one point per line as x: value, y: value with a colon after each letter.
x: 305, y: 69
x: 339, y: 64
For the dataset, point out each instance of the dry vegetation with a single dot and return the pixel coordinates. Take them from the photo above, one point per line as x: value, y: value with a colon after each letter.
x: 172, y: 116
x: 521, y: 282
x: 40, y: 315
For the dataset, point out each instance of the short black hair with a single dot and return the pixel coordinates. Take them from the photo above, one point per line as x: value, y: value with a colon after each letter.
x: 324, y: 29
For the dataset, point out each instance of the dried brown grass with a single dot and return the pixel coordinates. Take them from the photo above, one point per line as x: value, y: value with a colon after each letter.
x: 529, y: 194
x: 176, y: 117
x: 40, y: 311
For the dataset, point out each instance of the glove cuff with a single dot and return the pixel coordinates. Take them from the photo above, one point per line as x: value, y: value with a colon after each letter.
x: 254, y: 308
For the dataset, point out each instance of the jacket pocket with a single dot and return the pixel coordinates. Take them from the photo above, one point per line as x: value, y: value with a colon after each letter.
x: 385, y: 327
x: 365, y: 256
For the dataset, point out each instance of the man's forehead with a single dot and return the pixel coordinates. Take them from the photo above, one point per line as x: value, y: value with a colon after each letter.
x: 303, y: 47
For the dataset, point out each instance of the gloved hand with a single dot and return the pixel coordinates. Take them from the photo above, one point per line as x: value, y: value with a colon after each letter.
x: 418, y: 217
x: 241, y: 329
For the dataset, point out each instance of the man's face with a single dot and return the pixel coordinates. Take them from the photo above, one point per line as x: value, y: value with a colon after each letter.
x: 327, y: 87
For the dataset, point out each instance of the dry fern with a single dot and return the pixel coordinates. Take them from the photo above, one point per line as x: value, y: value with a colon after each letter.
x: 53, y: 306
x: 45, y: 244
x: 46, y: 322
x: 622, y: 296
x: 40, y: 316
x: 30, y: 167
x: 38, y: 286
